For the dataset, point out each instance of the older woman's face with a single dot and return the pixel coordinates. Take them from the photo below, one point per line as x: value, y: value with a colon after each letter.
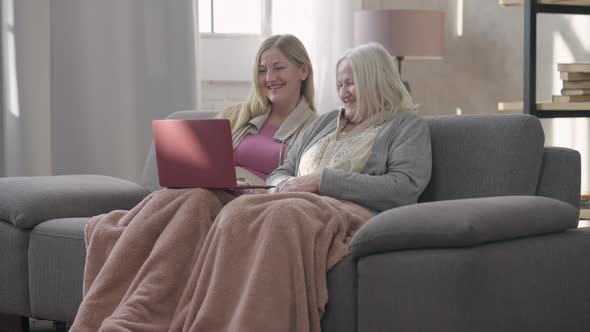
x: 346, y: 88
x: 279, y: 78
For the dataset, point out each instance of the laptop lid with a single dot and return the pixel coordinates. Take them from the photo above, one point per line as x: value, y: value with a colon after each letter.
x: 194, y: 153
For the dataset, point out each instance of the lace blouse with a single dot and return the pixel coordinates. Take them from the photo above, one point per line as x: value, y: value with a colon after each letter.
x: 343, y: 151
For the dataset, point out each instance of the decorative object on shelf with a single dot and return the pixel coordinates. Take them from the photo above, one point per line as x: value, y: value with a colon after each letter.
x: 574, y: 76
x: 578, y: 67
x: 571, y: 99
x: 576, y: 82
x: 575, y: 92
x: 575, y: 95
x: 561, y: 107
x: 530, y: 105
x: 406, y: 34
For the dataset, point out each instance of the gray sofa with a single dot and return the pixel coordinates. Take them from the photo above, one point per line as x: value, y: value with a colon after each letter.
x: 492, y: 246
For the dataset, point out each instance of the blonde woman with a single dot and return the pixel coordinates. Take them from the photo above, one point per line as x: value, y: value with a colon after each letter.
x: 279, y: 106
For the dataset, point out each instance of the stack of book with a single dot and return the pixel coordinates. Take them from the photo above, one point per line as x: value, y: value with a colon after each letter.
x: 576, y: 82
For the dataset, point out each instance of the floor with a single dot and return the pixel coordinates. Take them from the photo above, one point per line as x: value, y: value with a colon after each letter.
x: 40, y: 325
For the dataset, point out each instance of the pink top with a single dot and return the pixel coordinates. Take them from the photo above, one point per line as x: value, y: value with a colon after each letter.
x: 259, y: 153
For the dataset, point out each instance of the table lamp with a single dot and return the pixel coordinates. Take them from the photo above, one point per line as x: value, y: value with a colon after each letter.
x: 406, y: 34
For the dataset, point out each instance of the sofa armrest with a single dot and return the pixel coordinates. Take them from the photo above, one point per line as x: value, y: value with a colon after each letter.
x: 462, y: 223
x: 556, y: 183
x: 28, y: 201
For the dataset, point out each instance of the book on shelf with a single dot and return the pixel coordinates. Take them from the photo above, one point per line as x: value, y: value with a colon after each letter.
x: 580, y: 67
x: 570, y: 99
x: 546, y: 106
x: 576, y: 84
x: 575, y: 92
x: 574, y: 76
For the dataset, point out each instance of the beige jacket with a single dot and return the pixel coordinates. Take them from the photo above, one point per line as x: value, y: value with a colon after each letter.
x: 300, y: 117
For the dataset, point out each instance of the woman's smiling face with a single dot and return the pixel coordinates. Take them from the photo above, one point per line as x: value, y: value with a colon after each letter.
x: 279, y: 78
x: 346, y: 88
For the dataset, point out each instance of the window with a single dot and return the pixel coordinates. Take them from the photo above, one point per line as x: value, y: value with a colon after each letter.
x: 234, y: 16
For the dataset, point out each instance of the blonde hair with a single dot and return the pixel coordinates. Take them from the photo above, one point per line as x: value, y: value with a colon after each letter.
x: 257, y: 104
x: 378, y: 85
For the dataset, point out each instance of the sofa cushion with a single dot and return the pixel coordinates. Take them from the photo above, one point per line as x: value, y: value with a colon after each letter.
x: 56, y: 268
x: 28, y: 201
x: 484, y: 155
x: 14, y: 285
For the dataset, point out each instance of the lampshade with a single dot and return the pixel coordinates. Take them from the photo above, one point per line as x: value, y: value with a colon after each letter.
x: 412, y: 34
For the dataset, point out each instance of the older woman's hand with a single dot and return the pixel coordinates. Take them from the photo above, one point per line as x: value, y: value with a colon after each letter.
x: 307, y: 183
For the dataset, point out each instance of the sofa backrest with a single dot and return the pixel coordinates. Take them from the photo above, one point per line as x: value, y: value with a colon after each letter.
x: 484, y: 155
x: 149, y: 178
x: 474, y: 156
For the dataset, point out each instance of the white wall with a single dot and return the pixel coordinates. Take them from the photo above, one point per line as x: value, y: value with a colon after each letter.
x: 226, y: 65
x: 217, y: 95
x: 228, y: 58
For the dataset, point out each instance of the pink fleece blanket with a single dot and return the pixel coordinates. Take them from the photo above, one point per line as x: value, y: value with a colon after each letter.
x: 181, y: 261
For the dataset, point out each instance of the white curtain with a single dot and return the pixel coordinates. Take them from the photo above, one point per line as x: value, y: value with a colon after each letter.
x: 326, y: 29
x: 82, y: 80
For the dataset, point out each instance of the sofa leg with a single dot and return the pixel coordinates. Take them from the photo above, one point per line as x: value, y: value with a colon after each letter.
x: 59, y: 326
x: 14, y: 323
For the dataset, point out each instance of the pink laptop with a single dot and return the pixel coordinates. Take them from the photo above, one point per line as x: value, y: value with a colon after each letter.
x: 196, y: 154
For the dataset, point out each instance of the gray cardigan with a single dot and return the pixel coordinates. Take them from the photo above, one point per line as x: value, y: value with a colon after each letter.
x: 396, y: 173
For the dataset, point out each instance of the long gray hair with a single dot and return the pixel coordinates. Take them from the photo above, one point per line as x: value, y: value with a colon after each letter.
x: 379, y: 87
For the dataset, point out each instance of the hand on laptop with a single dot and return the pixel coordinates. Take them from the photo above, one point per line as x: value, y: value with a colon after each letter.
x: 307, y: 183
x: 239, y: 192
x: 243, y: 191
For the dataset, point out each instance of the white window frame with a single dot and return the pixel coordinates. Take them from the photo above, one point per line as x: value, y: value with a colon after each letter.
x: 265, y: 24
x: 229, y: 57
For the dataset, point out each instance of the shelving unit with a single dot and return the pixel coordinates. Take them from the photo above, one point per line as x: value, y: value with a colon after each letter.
x: 531, y: 9
x: 547, y: 107
x: 529, y: 104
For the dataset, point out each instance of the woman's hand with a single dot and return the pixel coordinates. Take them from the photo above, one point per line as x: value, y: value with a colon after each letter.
x: 243, y: 191
x: 307, y: 183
